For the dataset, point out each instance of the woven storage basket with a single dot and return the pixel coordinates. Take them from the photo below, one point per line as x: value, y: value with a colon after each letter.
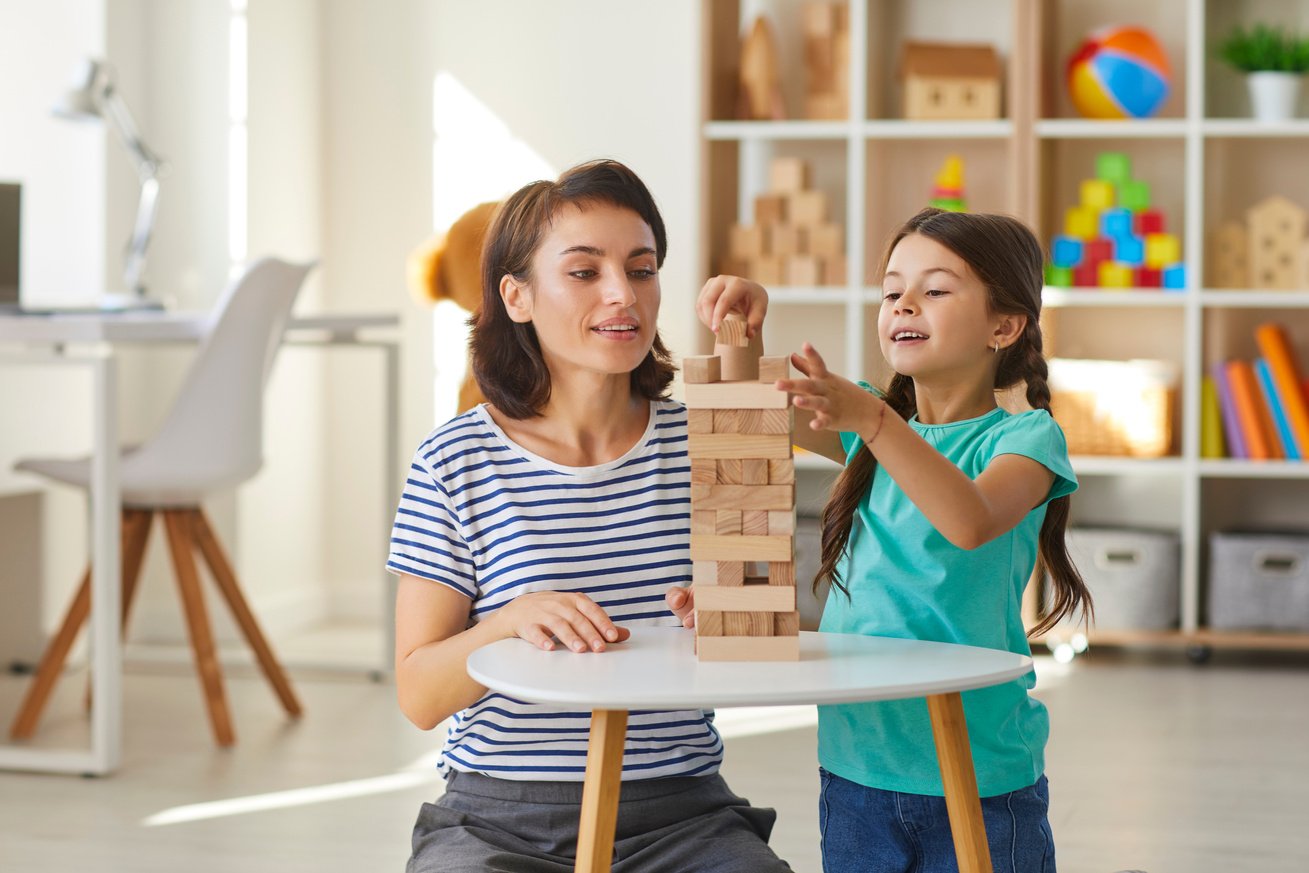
x: 1114, y: 407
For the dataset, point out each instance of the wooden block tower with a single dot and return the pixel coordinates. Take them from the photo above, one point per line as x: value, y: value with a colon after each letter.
x: 742, y: 502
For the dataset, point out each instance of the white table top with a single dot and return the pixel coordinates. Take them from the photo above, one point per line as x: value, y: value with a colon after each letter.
x: 657, y: 668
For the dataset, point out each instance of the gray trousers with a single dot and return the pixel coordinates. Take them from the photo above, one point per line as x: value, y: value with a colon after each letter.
x: 685, y: 824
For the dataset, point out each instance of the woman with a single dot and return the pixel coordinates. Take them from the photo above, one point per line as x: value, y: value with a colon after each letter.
x: 559, y: 510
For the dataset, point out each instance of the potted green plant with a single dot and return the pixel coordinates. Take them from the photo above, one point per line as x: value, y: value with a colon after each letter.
x: 1273, y: 61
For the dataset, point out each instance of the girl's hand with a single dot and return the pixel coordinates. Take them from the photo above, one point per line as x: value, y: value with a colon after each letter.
x: 575, y: 619
x: 836, y: 402
x: 722, y: 294
x: 681, y: 602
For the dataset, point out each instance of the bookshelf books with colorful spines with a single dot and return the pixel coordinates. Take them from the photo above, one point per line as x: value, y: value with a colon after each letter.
x: 1263, y: 404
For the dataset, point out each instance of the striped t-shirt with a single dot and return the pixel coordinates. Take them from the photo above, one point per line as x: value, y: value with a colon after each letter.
x: 491, y: 520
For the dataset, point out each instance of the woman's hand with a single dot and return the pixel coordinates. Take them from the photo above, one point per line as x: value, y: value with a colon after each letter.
x: 681, y: 602
x: 836, y: 402
x: 722, y: 294
x: 575, y: 619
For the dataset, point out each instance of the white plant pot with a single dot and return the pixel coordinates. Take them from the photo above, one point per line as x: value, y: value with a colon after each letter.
x: 1273, y: 95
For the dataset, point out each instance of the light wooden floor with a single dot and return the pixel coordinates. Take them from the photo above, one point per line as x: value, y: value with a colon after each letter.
x: 1154, y: 765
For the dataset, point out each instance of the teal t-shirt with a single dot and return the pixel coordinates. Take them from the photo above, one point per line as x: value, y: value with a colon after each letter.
x: 906, y: 580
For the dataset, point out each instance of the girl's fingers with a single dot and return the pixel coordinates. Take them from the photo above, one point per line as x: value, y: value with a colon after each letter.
x: 818, y: 367
x: 798, y: 361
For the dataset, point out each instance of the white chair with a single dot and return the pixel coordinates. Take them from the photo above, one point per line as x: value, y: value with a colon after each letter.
x: 211, y: 440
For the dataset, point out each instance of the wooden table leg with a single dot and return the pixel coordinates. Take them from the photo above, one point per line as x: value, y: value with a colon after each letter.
x: 604, y: 775
x: 960, y: 781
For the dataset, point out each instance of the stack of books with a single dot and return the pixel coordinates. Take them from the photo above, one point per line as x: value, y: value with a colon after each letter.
x: 1257, y: 410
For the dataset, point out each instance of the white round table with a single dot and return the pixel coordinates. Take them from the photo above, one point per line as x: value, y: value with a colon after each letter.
x: 657, y: 668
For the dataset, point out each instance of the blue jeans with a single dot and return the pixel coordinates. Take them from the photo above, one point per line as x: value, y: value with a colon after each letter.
x: 868, y: 830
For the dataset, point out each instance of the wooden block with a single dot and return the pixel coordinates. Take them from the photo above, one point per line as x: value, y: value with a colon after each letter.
x: 742, y: 497
x: 765, y: 269
x: 780, y: 521
x: 826, y: 107
x: 774, y: 367
x: 704, y: 471
x: 770, y: 209
x: 729, y: 266
x: 754, y: 522
x: 730, y: 472
x: 781, y: 574
x: 745, y: 241
x: 732, y: 331
x: 728, y: 522
x: 785, y: 624
x: 787, y: 174
x: 709, y: 622
x: 749, y: 648
x: 746, y: 598
x: 747, y: 624
x: 802, y: 270
x: 718, y: 572
x: 807, y: 207
x: 740, y: 363
x: 700, y: 421
x: 754, y: 471
x: 826, y: 240
x: 785, y: 240
x: 737, y: 445
x: 780, y: 472
x: 736, y: 395
x: 752, y: 421
x: 834, y: 271
x: 706, y: 547
x: 704, y: 521
x: 701, y: 369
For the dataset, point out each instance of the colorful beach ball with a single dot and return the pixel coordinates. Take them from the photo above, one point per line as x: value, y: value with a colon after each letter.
x: 1119, y: 72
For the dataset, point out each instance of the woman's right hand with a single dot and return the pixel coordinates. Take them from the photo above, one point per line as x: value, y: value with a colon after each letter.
x: 723, y: 294
x: 575, y: 619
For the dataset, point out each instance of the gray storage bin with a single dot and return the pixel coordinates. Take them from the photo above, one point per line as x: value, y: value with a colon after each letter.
x: 1259, y: 581
x: 1133, y: 576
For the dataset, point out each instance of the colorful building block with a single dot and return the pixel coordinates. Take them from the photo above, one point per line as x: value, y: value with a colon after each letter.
x: 1066, y: 251
x: 1096, y: 194
x: 1114, y: 167
x: 1162, y: 249
x: 1148, y: 278
x: 1129, y: 249
x: 1081, y: 222
x: 1112, y: 274
x: 1058, y: 277
x: 1086, y: 276
x: 1175, y: 277
x: 1134, y: 195
x: 1097, y: 250
x: 1115, y: 222
x: 1149, y: 221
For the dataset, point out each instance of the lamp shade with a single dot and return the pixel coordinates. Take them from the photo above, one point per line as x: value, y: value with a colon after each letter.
x: 83, y: 100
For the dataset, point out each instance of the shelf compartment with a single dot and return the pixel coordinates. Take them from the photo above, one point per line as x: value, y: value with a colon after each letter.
x: 1226, y: 95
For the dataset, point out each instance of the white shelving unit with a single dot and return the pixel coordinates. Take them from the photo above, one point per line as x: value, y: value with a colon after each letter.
x: 1204, y: 161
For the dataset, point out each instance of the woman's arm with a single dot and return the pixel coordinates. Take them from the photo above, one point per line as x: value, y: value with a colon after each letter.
x: 433, y: 641
x: 966, y: 512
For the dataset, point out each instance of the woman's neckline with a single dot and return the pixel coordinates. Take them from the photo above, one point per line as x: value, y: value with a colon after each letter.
x: 568, y: 469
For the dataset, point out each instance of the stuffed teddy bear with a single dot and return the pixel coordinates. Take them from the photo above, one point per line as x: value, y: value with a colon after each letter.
x: 449, y: 267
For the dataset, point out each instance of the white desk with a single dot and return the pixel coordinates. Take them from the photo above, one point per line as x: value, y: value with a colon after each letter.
x: 92, y: 340
x: 657, y: 668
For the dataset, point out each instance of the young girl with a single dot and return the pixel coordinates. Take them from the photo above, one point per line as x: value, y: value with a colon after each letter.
x: 559, y: 511
x: 946, y: 505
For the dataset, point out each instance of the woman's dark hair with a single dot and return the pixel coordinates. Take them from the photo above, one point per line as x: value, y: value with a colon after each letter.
x: 1008, y: 259
x: 507, y: 360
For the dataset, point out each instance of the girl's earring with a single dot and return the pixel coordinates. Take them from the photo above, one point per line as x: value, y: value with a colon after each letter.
x: 997, y: 347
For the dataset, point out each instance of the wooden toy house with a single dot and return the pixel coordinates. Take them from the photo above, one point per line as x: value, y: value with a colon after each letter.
x: 1277, y: 233
x: 950, y: 81
x: 742, y: 502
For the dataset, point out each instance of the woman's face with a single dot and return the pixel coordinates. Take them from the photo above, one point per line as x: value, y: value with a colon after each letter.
x: 593, y: 295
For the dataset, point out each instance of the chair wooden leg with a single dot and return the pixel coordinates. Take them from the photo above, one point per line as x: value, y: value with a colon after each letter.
x: 178, y: 525
x: 213, y: 554
x: 52, y: 662
x: 136, y: 533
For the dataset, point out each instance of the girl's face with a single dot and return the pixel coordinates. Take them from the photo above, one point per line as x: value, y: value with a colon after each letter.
x: 593, y: 295
x: 936, y: 320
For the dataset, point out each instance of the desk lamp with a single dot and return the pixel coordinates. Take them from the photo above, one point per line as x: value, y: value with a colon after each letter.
x: 93, y: 97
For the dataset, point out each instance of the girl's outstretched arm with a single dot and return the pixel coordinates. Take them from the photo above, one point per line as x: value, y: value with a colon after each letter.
x: 967, y: 512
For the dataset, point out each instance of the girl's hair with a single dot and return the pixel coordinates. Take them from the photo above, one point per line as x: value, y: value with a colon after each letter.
x: 1008, y: 259
x: 506, y: 355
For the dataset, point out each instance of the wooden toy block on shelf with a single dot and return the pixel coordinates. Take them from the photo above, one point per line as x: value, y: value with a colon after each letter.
x: 1229, y: 256
x: 1277, y: 232
x: 950, y: 81
x: 742, y: 502
x: 827, y: 60
x: 760, y: 95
